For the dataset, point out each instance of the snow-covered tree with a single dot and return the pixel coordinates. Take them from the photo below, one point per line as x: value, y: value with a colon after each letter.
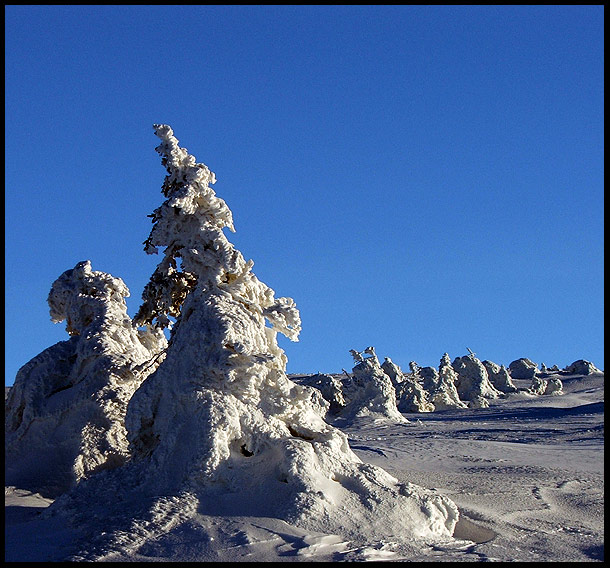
x: 554, y: 386
x: 370, y: 392
x: 582, y: 367
x: 473, y: 384
x: 410, y: 395
x: 429, y: 378
x: 442, y: 391
x: 65, y: 413
x: 331, y: 389
x: 499, y: 377
x: 523, y: 368
x: 219, y: 426
x: 538, y: 386
x: 393, y: 371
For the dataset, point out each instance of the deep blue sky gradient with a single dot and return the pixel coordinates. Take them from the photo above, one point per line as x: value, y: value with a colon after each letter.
x: 418, y: 178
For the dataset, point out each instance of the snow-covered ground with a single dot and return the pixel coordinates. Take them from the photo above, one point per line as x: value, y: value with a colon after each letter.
x: 526, y: 474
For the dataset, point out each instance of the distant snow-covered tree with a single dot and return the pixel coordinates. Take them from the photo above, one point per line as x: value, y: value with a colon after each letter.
x: 554, y: 386
x: 371, y: 392
x: 499, y: 377
x: 582, y: 367
x: 331, y: 389
x: 410, y: 394
x: 393, y: 371
x: 523, y: 368
x: 473, y: 384
x: 445, y: 395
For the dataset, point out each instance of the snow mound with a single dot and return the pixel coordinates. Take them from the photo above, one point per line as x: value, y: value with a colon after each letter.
x: 218, y: 428
x: 473, y: 384
x: 523, y: 369
x: 65, y: 413
x: 582, y: 367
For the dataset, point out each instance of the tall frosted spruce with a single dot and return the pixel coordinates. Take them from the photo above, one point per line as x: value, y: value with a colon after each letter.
x: 218, y: 428
x: 219, y: 416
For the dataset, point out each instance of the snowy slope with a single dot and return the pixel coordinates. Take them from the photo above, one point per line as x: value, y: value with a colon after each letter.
x: 526, y: 474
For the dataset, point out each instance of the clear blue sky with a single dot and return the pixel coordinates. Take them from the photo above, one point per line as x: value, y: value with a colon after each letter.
x: 418, y: 178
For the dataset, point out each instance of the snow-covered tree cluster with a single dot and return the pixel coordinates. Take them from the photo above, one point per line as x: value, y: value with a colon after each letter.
x: 209, y: 422
x: 382, y: 390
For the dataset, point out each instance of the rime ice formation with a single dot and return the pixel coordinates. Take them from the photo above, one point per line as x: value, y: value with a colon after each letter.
x: 443, y: 394
x: 430, y: 378
x: 582, y: 367
x: 393, y: 371
x: 523, y: 369
x: 65, y: 413
x: 499, y: 377
x: 331, y: 389
x: 538, y: 386
x: 218, y: 428
x: 554, y: 387
x: 410, y: 395
x: 370, y: 392
x: 473, y: 385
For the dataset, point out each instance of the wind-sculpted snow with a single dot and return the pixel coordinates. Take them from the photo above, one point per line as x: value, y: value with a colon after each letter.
x: 65, y: 413
x: 219, y: 424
